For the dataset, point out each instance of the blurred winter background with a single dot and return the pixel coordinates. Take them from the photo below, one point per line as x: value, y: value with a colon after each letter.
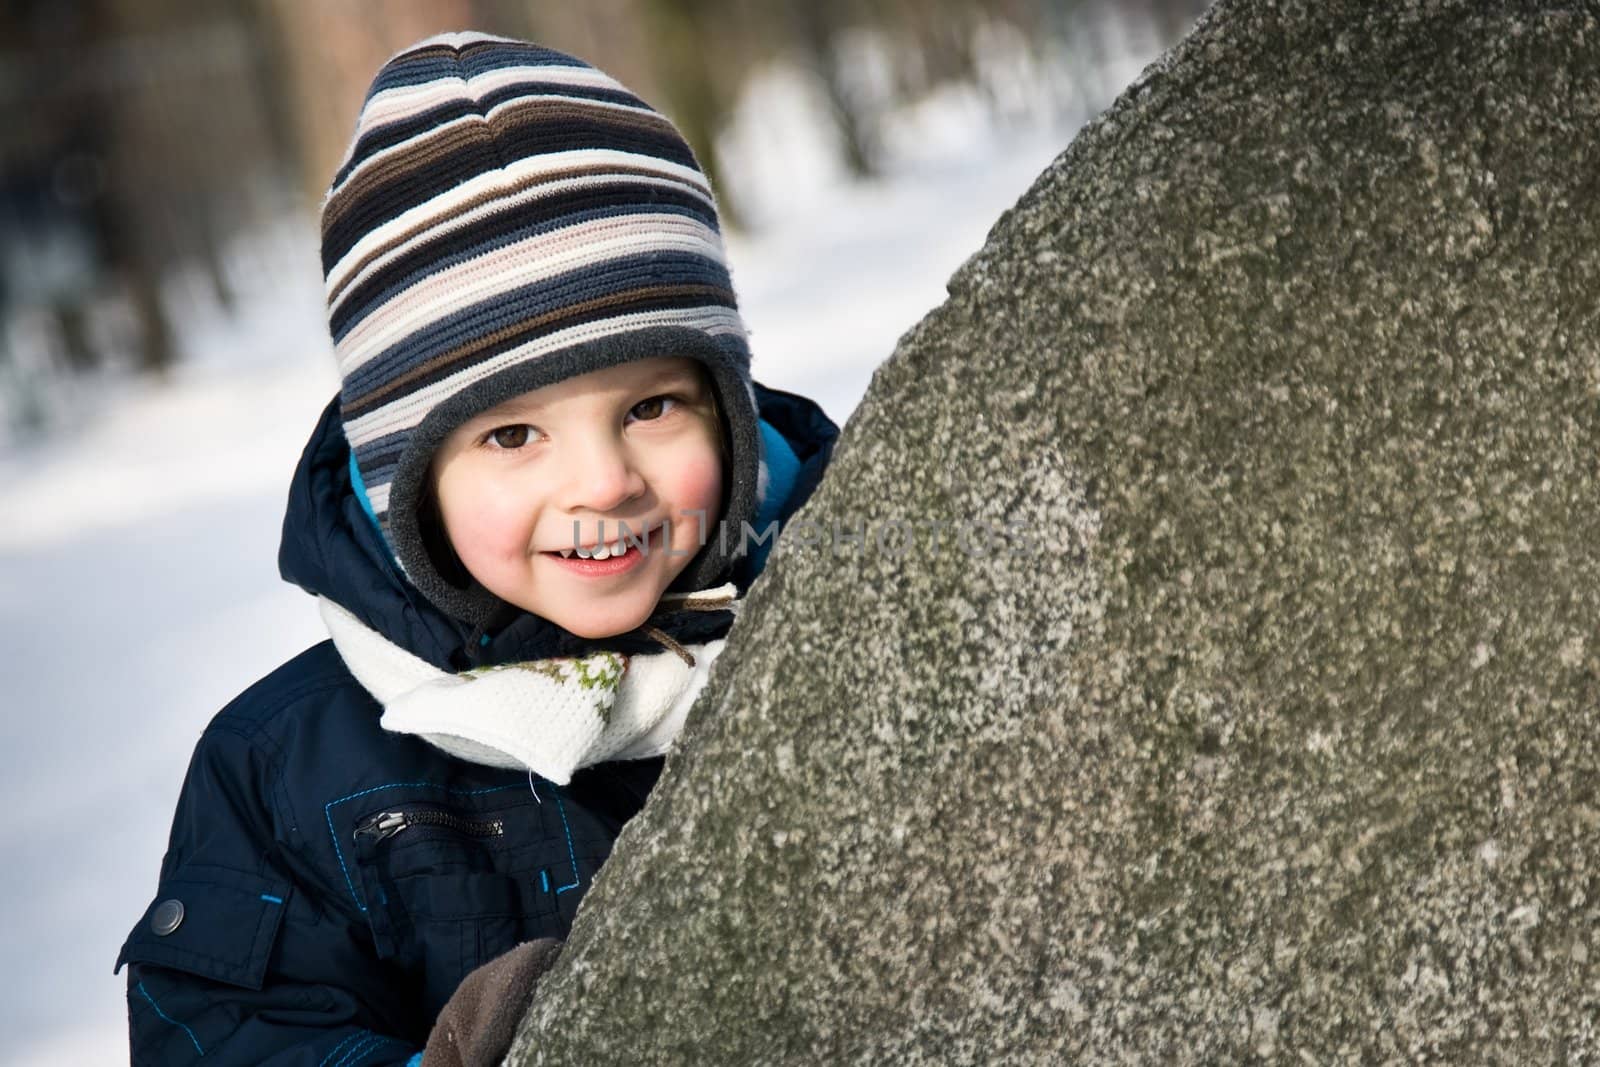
x: 163, y: 353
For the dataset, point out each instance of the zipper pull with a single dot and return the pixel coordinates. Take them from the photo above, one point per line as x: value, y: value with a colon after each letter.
x: 382, y: 826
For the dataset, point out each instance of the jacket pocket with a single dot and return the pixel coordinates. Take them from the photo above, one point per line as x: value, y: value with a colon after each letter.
x: 448, y: 887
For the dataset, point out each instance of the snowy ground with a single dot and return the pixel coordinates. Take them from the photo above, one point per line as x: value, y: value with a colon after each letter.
x: 138, y: 579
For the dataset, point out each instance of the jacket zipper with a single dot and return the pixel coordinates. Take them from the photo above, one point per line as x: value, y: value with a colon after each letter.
x: 386, y: 824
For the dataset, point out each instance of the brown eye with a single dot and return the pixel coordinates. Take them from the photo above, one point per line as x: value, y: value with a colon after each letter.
x: 654, y: 408
x: 509, y: 436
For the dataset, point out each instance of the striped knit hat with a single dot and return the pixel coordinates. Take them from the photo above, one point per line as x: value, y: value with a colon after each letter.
x: 507, y: 217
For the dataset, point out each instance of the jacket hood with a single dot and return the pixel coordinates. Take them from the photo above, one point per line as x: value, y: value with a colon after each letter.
x: 331, y: 547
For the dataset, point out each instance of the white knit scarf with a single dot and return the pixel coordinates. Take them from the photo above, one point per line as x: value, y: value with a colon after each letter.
x: 549, y: 716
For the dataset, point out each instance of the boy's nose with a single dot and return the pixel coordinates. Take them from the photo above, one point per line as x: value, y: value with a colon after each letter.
x: 602, y: 478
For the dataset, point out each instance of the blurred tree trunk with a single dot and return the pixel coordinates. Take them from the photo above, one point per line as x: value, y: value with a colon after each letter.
x: 209, y: 250
x: 72, y: 329
x: 818, y: 24
x: 700, y: 93
x: 331, y: 51
x: 155, y: 329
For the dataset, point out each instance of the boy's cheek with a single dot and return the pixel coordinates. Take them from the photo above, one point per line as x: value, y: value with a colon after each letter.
x: 699, y: 485
x: 486, y: 535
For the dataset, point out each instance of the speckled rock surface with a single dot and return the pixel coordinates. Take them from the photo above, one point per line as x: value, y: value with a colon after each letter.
x: 1268, y: 731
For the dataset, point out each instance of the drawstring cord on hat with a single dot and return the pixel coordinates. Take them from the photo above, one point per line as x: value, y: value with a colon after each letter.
x: 661, y: 637
x: 723, y: 598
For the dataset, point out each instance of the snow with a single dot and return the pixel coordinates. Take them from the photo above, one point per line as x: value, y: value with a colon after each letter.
x: 138, y: 580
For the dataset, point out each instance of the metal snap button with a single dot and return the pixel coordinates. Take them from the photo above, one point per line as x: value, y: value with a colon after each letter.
x: 167, y: 916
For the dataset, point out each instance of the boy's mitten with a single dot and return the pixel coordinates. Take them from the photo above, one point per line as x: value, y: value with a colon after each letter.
x: 479, y: 1020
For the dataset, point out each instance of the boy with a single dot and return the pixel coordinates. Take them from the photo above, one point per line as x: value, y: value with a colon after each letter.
x: 511, y: 517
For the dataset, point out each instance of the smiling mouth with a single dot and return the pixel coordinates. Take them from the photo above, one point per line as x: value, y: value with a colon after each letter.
x: 611, y: 549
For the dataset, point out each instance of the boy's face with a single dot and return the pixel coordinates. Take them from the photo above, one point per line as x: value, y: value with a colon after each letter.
x: 634, y: 444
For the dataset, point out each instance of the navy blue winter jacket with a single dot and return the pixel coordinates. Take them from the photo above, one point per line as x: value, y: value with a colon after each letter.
x: 293, y: 923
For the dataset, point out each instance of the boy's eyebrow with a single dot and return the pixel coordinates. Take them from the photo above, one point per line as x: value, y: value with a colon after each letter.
x: 519, y: 406
x: 513, y: 408
x: 669, y: 374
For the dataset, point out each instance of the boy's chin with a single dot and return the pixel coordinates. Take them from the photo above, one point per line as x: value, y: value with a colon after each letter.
x: 598, y: 624
x: 596, y: 632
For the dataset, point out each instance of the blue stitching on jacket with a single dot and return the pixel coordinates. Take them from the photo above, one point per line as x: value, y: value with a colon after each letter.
x: 544, y: 880
x: 335, y: 1049
x: 327, y: 811
x: 170, y: 1019
x: 573, y: 856
x: 270, y: 899
x: 386, y: 1039
x: 366, y: 1048
x: 361, y: 1048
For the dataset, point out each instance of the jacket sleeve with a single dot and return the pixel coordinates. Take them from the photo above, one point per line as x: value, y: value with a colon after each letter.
x: 239, y: 958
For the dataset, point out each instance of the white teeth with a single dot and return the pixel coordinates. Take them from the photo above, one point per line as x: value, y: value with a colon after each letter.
x: 616, y: 548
